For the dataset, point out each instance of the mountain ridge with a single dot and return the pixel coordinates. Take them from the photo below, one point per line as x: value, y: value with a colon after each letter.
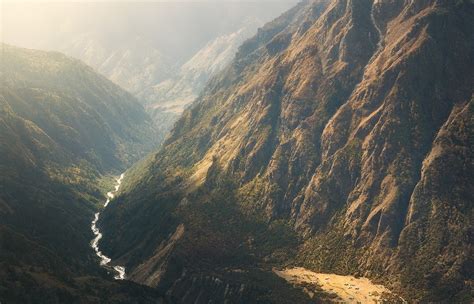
x: 321, y: 124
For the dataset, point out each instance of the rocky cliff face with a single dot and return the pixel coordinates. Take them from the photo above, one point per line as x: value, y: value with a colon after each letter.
x: 348, y: 123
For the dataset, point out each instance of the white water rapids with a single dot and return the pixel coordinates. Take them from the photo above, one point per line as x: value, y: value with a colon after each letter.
x: 104, y: 260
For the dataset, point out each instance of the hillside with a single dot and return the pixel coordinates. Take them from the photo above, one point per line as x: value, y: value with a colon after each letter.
x: 176, y: 93
x: 339, y: 139
x: 62, y: 129
x: 135, y: 65
x: 159, y: 54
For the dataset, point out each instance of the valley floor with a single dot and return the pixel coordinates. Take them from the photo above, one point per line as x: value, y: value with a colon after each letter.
x: 348, y: 289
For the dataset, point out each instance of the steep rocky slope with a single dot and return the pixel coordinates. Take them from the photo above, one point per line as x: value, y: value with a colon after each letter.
x: 340, y: 139
x: 62, y: 127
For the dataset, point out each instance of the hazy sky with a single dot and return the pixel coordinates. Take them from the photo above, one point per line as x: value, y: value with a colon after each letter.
x: 75, y: 1
x: 177, y: 28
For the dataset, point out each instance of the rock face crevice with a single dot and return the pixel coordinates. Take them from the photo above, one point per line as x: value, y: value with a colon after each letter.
x: 334, y: 119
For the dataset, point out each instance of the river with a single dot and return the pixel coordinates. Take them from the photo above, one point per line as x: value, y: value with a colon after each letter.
x: 105, y: 260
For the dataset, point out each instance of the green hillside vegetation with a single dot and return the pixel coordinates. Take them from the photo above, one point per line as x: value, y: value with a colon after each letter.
x: 63, y: 129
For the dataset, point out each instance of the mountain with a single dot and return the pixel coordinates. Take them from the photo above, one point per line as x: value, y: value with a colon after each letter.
x: 339, y: 139
x: 167, y: 99
x: 63, y: 128
x: 157, y: 39
x: 134, y: 66
x: 174, y: 94
x: 159, y: 54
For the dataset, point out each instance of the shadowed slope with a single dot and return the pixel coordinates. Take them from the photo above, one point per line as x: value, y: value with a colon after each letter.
x: 62, y: 127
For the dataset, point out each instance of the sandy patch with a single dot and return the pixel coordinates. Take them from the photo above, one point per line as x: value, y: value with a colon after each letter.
x: 348, y: 288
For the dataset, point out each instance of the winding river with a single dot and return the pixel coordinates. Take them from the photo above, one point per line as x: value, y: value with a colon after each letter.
x: 105, y: 260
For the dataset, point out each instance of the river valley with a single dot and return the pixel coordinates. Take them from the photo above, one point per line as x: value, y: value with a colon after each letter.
x: 105, y: 260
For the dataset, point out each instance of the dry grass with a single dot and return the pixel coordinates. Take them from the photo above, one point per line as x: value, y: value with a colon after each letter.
x: 349, y: 289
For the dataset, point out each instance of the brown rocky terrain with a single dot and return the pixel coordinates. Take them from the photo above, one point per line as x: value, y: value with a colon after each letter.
x: 340, y: 139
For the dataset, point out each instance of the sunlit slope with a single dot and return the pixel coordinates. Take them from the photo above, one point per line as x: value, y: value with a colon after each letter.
x: 340, y: 139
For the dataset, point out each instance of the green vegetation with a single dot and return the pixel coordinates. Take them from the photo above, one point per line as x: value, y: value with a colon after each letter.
x: 64, y: 130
